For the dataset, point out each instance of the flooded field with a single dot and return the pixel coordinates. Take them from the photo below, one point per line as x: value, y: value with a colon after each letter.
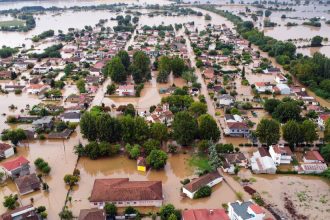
x: 177, y: 169
x: 310, y: 194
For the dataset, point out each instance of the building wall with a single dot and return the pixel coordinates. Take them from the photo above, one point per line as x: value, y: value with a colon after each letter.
x: 141, y: 203
x: 10, y: 152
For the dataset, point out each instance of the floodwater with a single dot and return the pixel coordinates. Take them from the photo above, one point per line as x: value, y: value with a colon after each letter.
x: 177, y: 169
x: 309, y: 194
x: 61, y: 159
x: 66, y: 3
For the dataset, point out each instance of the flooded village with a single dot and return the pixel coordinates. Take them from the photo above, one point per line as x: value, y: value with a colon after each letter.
x: 164, y: 110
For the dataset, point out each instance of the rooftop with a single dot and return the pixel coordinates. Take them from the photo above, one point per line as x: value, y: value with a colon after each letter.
x: 199, y: 182
x: 205, y: 214
x: 15, y: 163
x: 121, y: 189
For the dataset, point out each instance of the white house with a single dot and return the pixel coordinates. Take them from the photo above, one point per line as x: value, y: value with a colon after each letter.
x: 162, y: 114
x: 280, y: 154
x: 261, y: 162
x: 308, y: 168
x: 6, y: 151
x: 36, y: 88
x: 226, y: 100
x: 233, y: 118
x: 209, y: 179
x: 126, y: 90
x: 72, y: 117
x: 322, y: 119
x: 282, y: 89
x: 313, y: 156
x: 262, y: 87
x: 42, y: 69
x: 237, y: 129
x: 245, y: 211
x: 280, y: 79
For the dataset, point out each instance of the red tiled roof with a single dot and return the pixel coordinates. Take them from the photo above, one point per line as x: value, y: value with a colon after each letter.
x: 325, y: 117
x: 282, y: 150
x: 256, y: 209
x: 314, y: 155
x: 121, y: 189
x: 237, y: 125
x: 205, y: 214
x: 15, y: 163
x: 263, y: 152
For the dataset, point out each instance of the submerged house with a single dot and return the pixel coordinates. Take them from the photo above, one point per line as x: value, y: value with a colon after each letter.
x: 28, y: 184
x: 16, y: 167
x: 210, y: 179
x: 245, y: 211
x: 261, y: 162
x: 123, y: 193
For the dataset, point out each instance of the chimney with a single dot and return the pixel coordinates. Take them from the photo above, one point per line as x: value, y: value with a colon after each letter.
x: 211, y: 211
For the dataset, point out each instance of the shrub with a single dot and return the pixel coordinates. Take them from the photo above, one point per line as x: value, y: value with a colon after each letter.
x: 204, y: 191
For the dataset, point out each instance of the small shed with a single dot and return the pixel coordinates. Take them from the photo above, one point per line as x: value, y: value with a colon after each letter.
x: 141, y: 164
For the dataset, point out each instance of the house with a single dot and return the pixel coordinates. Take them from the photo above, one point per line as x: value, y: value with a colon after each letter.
x: 208, y: 73
x: 92, y: 214
x: 226, y: 100
x: 282, y: 89
x: 280, y: 79
x: 237, y: 129
x: 43, y: 123
x: 16, y: 167
x: 232, y: 118
x: 162, y: 114
x: 313, y: 156
x: 13, y: 88
x: 41, y: 69
x: 245, y: 211
x: 210, y: 179
x: 204, y: 214
x: 261, y: 162
x: 141, y: 164
x: 72, y: 117
x: 5, y: 75
x: 280, y: 154
x: 27, y: 184
x: 36, y: 89
x: 25, y: 212
x: 126, y: 90
x: 123, y: 192
x: 262, y: 87
x: 6, y: 151
x: 232, y: 159
x: 309, y: 168
x: 322, y: 119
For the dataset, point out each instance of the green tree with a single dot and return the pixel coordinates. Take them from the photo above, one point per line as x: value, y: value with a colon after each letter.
x: 268, y: 13
x: 15, y: 135
x: 164, y: 68
x: 178, y: 66
x: 325, y: 152
x: 108, y: 128
x: 316, y: 41
x: 185, y: 128
x: 157, y: 159
x: 208, y: 128
x: 110, y: 209
x: 172, y: 217
x: 88, y: 126
x: 309, y: 131
x: 167, y: 210
x: 70, y: 179
x: 116, y: 70
x: 140, y: 67
x: 124, y: 57
x: 204, y: 191
x: 81, y: 86
x: 292, y: 133
x: 158, y: 131
x: 198, y: 108
x: 214, y: 159
x: 271, y: 104
x: 111, y: 89
x: 286, y: 111
x: 151, y: 145
x: 135, y: 152
x: 10, y: 201
x: 327, y: 131
x: 268, y: 131
x: 66, y: 214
